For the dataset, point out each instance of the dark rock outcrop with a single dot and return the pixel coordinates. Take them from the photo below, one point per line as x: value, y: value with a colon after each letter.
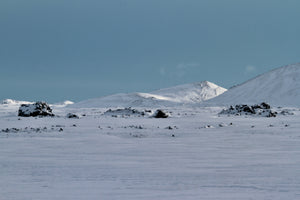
x: 41, y: 109
x: 262, y: 109
x: 160, y: 114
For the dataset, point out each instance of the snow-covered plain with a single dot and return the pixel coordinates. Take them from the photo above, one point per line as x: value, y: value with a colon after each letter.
x: 194, y: 154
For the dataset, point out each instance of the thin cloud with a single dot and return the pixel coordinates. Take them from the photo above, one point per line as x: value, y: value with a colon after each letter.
x: 250, y: 69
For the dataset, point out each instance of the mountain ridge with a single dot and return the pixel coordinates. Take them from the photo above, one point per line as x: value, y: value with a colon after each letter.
x: 177, y: 95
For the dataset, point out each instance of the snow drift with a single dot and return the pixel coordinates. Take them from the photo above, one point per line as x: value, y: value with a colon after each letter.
x: 279, y: 87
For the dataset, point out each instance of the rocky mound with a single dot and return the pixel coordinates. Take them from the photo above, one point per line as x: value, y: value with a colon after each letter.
x: 262, y: 109
x: 41, y: 109
x: 125, y: 112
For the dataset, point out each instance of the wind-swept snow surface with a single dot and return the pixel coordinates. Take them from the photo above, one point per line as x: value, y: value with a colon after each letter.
x: 178, y: 95
x: 193, y: 154
x: 280, y: 87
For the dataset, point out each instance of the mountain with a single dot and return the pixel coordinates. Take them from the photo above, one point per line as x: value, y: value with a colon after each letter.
x: 279, y: 87
x: 178, y: 95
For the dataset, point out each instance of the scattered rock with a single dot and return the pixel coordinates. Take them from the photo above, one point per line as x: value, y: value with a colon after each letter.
x: 134, y: 127
x: 10, y: 130
x: 124, y: 112
x: 286, y: 112
x: 29, y: 130
x: 58, y: 126
x: 40, y: 109
x: 136, y: 135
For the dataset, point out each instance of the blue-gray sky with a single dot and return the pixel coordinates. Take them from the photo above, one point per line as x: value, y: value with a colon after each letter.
x: 78, y: 49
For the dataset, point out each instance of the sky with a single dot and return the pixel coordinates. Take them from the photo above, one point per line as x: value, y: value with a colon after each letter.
x: 79, y: 49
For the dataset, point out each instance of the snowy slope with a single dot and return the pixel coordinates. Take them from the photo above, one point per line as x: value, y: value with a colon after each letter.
x: 178, y: 95
x: 124, y: 100
x: 280, y: 87
x: 192, y: 93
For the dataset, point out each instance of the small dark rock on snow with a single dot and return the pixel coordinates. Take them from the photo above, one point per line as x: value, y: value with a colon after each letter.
x: 71, y: 115
x: 160, y: 114
x: 39, y: 108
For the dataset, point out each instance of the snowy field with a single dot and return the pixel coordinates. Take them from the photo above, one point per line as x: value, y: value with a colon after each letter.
x: 194, y: 154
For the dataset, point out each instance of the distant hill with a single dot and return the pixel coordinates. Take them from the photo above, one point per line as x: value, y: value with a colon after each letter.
x: 280, y: 87
x: 178, y: 95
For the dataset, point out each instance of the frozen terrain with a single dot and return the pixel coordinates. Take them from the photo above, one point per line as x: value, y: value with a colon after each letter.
x: 194, y: 154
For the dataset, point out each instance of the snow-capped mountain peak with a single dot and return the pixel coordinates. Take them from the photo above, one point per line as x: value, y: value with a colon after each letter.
x: 181, y: 94
x: 192, y: 93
